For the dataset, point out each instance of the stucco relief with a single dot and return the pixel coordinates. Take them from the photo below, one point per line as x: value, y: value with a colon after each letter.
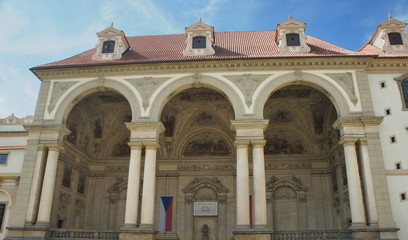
x: 59, y: 88
x: 247, y: 83
x: 146, y: 87
x: 346, y: 81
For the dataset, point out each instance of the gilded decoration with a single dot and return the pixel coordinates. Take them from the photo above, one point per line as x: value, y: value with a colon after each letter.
x: 59, y: 88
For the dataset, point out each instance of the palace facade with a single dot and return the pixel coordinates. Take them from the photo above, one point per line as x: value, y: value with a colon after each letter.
x: 220, y: 135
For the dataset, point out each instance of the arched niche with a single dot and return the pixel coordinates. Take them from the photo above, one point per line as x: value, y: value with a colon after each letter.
x: 287, y: 203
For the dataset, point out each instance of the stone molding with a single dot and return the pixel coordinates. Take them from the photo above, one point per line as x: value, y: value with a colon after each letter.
x: 250, y: 65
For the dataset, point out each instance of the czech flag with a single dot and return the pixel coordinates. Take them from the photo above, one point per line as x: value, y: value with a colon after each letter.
x: 166, y: 214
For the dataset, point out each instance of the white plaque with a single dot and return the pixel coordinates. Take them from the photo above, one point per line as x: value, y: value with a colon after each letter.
x: 205, y: 209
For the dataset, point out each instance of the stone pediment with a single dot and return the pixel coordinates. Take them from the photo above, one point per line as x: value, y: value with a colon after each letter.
x: 213, y: 183
x: 292, y: 23
x: 392, y: 23
x: 199, y: 26
x: 109, y: 31
x: 295, y: 183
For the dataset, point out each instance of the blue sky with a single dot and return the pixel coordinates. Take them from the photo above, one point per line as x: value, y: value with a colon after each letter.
x: 34, y: 32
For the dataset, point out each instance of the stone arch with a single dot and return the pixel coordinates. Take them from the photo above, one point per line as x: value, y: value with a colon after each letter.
x: 330, y: 88
x: 81, y: 90
x: 182, y: 145
x: 163, y: 94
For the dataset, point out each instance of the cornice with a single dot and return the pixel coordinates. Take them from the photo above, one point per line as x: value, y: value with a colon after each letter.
x: 313, y: 63
x: 385, y: 65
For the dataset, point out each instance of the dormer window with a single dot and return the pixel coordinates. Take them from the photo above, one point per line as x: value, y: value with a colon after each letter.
x: 112, y: 44
x: 108, y: 47
x: 199, y: 42
x: 391, y: 37
x: 290, y: 36
x: 292, y: 39
x: 395, y: 38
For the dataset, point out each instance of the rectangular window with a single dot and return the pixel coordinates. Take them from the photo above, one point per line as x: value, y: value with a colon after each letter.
x: 3, y: 158
x: 403, y: 196
x: 393, y: 139
x: 2, y: 213
x: 398, y: 165
x: 388, y: 111
x: 382, y: 84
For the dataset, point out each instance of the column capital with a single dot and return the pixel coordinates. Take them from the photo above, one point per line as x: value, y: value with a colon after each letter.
x: 145, y: 131
x: 363, y: 142
x: 348, y: 141
x: 241, y: 143
x: 54, y: 147
x: 151, y: 145
x: 135, y: 145
x: 258, y: 143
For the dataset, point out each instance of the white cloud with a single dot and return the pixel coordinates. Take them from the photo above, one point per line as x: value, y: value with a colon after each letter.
x: 146, y: 14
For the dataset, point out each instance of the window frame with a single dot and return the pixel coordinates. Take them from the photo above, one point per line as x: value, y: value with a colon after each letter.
x: 404, y: 101
x: 7, y: 158
x: 4, y: 216
x: 400, y: 41
x: 201, y: 38
x: 108, y: 42
x: 293, y: 34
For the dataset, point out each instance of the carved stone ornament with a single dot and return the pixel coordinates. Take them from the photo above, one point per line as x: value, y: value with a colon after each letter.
x: 146, y: 87
x: 213, y: 183
x: 247, y: 83
x: 294, y: 183
x: 59, y: 88
x: 206, y: 167
x: 346, y: 81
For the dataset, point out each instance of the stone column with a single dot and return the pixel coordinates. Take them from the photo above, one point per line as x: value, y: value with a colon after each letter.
x: 354, y: 185
x: 132, y: 197
x: 32, y: 207
x: 260, y: 214
x: 149, y: 187
x: 368, y: 183
x: 47, y: 193
x: 242, y: 199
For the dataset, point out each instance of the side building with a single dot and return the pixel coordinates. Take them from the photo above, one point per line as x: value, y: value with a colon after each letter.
x: 13, y: 142
x: 219, y: 135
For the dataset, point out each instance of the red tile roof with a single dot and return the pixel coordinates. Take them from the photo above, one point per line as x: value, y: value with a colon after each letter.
x: 12, y: 147
x: 228, y: 45
x: 370, y: 49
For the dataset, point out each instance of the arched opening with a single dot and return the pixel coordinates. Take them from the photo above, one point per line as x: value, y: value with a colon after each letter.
x: 302, y: 152
x: 95, y: 154
x: 197, y: 151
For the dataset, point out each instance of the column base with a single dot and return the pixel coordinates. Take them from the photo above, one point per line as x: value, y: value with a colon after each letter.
x: 128, y: 227
x: 370, y: 233
x: 167, y: 236
x: 140, y: 235
x: 252, y: 234
x: 28, y: 233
